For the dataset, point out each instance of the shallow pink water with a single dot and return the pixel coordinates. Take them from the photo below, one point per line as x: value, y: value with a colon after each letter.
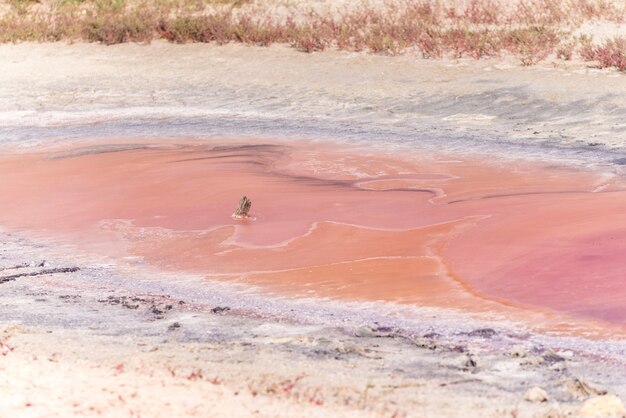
x: 341, y: 222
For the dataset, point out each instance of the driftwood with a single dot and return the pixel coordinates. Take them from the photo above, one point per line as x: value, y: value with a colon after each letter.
x: 244, y: 208
x: 24, y: 265
x: 12, y: 277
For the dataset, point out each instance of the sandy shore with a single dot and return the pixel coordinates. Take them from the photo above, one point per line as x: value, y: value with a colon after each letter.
x: 85, y: 336
x: 69, y: 348
x: 199, y: 89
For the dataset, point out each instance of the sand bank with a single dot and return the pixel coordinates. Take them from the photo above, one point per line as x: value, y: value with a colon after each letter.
x: 78, y: 91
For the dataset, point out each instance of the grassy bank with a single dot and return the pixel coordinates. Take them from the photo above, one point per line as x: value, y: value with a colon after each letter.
x: 530, y: 30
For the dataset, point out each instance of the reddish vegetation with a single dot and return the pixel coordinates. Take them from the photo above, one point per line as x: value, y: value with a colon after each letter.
x: 610, y: 54
x: 195, y: 375
x: 528, y: 29
x: 5, y: 348
x: 118, y: 369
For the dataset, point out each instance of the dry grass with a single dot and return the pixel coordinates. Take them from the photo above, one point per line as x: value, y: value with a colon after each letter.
x: 529, y: 29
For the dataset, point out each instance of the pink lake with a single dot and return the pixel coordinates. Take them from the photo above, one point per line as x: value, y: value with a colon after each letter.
x: 476, y: 234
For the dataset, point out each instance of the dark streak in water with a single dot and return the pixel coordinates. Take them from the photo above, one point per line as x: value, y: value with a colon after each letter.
x: 216, y: 157
x: 431, y: 192
x: 496, y: 196
x: 314, y: 181
x: 101, y: 149
x: 246, y: 147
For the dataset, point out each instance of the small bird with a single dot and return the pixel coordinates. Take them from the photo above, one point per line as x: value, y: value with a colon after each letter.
x: 244, y: 208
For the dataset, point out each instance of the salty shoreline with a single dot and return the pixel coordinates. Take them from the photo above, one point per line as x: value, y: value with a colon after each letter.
x: 140, y: 345
x: 569, y: 112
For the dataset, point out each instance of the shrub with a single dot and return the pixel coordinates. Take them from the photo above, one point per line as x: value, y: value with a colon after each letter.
x: 475, y: 28
x: 531, y: 44
x: 110, y: 28
x: 610, y: 54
